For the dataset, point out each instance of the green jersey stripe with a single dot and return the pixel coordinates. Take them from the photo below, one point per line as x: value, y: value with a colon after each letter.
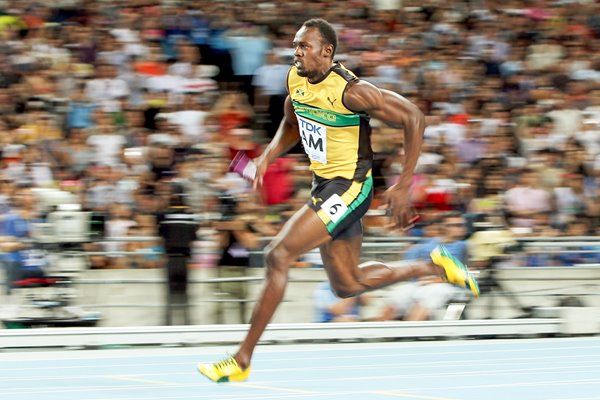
x: 326, y: 117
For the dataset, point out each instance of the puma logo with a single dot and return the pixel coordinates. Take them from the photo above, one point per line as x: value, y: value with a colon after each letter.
x: 331, y: 101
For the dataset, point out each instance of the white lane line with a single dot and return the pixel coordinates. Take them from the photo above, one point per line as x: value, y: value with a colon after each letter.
x: 405, y: 395
x: 520, y: 373
x: 70, y: 378
x: 524, y: 344
x: 463, y: 358
x: 89, y: 389
x: 273, y: 388
x: 573, y: 366
x: 577, y: 398
x: 238, y: 396
x: 520, y: 384
x: 395, y: 377
x: 586, y: 366
x: 131, y: 378
x: 95, y: 366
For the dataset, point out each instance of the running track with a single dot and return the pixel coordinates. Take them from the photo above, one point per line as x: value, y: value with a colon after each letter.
x: 532, y: 369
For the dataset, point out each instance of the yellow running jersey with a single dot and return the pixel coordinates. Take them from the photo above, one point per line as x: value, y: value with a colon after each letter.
x: 336, y: 139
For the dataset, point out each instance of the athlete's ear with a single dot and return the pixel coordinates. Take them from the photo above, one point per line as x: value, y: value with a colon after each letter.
x: 328, y: 50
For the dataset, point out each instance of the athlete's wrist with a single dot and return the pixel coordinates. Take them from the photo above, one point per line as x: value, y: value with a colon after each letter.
x: 404, y: 181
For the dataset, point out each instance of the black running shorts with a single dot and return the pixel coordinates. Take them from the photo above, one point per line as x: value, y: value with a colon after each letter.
x: 341, y: 203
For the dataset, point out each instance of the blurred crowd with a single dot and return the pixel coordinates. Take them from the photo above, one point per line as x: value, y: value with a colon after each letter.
x: 131, y: 108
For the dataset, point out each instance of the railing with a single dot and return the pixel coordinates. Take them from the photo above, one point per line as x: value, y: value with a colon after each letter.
x: 138, y: 297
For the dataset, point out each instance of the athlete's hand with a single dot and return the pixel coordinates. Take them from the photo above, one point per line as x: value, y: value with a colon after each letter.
x: 397, y: 201
x: 261, y: 168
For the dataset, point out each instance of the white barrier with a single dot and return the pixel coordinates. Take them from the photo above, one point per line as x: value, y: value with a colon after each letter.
x: 233, y: 334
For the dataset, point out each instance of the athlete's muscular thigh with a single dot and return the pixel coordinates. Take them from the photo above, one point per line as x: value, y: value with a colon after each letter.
x: 302, y: 233
x: 340, y: 259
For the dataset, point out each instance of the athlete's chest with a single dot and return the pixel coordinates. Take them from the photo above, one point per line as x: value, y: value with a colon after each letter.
x: 326, y: 96
x: 321, y: 128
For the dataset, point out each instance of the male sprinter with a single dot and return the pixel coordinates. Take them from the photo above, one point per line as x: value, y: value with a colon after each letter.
x: 328, y: 109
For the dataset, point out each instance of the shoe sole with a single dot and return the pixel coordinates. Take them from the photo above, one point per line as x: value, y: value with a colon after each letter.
x: 229, y: 378
x: 470, y: 282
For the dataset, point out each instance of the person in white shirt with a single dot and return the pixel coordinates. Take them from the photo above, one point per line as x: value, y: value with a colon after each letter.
x: 106, y: 89
x: 567, y: 118
x: 32, y: 169
x: 106, y: 140
x: 441, y: 131
x: 527, y: 200
x: 269, y: 83
x: 190, y: 118
x: 119, y: 222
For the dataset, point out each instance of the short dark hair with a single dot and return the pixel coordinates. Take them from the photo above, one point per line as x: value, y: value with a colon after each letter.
x: 326, y: 30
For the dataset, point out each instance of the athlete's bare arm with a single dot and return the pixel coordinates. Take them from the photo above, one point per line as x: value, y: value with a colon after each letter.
x: 395, y: 111
x: 286, y: 137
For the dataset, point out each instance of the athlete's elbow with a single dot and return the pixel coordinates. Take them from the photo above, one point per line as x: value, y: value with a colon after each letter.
x: 416, y: 120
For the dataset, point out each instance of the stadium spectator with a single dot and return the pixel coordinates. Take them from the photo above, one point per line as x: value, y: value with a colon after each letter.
x: 80, y: 89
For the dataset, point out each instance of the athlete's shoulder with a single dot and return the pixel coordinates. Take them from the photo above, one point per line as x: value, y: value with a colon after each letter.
x: 344, y: 72
x: 362, y: 96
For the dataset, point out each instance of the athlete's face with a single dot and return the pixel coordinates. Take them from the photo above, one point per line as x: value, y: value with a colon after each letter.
x: 312, y: 57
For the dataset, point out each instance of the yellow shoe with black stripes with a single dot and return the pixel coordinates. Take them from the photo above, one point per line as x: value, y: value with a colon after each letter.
x: 226, y: 370
x: 455, y: 271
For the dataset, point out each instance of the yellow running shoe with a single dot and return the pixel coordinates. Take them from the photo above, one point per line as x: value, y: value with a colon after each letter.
x: 226, y: 370
x: 456, y: 272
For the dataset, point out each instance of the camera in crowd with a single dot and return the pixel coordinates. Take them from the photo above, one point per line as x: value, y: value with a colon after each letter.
x: 65, y: 222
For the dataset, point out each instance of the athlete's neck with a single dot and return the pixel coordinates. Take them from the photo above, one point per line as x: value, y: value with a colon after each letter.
x: 318, y: 77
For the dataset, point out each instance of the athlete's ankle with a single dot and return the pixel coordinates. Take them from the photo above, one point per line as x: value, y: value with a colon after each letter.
x: 243, y: 362
x: 437, y: 270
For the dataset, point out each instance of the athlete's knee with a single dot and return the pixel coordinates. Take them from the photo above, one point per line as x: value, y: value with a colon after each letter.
x: 277, y: 257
